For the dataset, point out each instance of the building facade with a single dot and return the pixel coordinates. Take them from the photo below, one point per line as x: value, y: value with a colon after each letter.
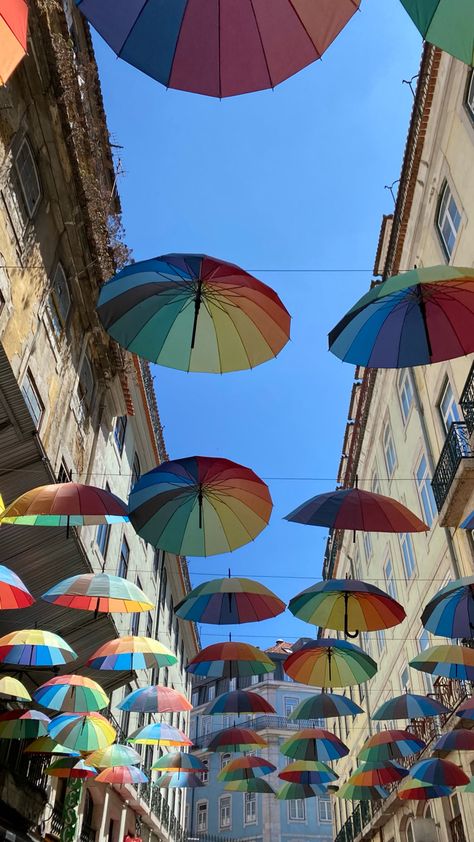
x: 410, y: 436
x: 253, y: 816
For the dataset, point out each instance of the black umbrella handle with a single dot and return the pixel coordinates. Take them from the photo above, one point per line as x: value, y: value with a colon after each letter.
x: 197, y: 307
x: 347, y: 633
x: 200, y: 506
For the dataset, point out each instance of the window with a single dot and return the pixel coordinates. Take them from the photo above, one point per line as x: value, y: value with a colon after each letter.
x: 205, y: 773
x: 103, y: 534
x: 136, y: 472
x: 170, y: 615
x: 380, y: 635
x: 64, y: 474
x: 163, y: 586
x: 448, y: 407
x: 149, y: 625
x: 156, y: 562
x: 250, y: 808
x: 410, y: 832
x: 424, y: 643
x: 408, y: 554
x: 59, y: 301
x: 405, y: 391
x: 254, y: 679
x: 120, y: 429
x: 28, y: 181
x: 225, y: 759
x: 232, y: 684
x: 405, y: 680
x: 195, y: 698
x: 389, y: 451
x: 367, y: 545
x: 425, y: 492
x: 124, y: 559
x: 32, y: 398
x: 470, y: 95
x: 325, y: 812
x: 181, y: 654
x: 448, y: 220
x: 135, y: 626
x: 201, y: 809
x: 85, y: 386
x: 290, y: 704
x: 296, y: 810
x: 390, y: 581
x: 376, y: 488
x: 125, y: 717
x: 224, y: 812
x: 211, y: 692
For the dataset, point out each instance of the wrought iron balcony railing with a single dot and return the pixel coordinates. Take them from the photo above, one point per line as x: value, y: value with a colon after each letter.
x: 261, y: 723
x: 467, y: 402
x: 456, y: 448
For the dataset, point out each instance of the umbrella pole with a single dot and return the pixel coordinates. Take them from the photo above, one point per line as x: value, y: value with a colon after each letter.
x: 197, y: 307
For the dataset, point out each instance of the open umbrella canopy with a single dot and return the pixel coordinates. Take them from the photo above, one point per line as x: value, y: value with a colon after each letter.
x: 13, y: 593
x: 199, y: 506
x: 354, y: 792
x: 155, y: 699
x: 71, y: 693
x: 229, y: 600
x: 131, y: 652
x: 409, y: 706
x: 439, y: 772
x: 391, y: 745
x: 71, y: 767
x: 329, y: 662
x: 239, y: 701
x: 243, y: 768
x: 449, y: 26
x: 236, y: 739
x: 412, y: 790
x: 447, y: 660
x: 325, y: 706
x: 450, y: 613
x: 314, y: 744
x: 11, y: 688
x: 121, y: 775
x: 83, y: 732
x: 466, y: 709
x: 23, y: 724
x: 65, y: 504
x: 421, y: 317
x: 307, y: 772
x: 99, y: 592
x: 230, y: 660
x: 35, y: 648
x: 250, y: 785
x: 114, y: 755
x: 159, y: 734
x: 45, y: 745
x: 460, y: 739
x: 352, y: 508
x: 373, y: 773
x: 13, y: 35
x: 468, y: 523
x: 179, y: 761
x: 470, y: 786
x: 194, y: 313
x: 178, y: 780
x: 347, y: 605
x: 290, y: 792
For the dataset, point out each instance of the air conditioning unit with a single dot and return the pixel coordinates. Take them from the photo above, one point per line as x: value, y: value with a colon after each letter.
x: 424, y: 830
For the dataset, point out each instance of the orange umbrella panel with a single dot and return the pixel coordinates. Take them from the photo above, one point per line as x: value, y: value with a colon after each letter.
x: 13, y: 36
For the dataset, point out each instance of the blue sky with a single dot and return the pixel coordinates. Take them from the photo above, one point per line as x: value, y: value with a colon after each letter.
x: 278, y: 180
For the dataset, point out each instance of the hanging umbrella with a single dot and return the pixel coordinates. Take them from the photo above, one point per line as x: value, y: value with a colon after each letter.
x: 229, y: 600
x: 314, y: 744
x: 352, y: 508
x: 178, y: 780
x: 13, y: 36
x: 446, y: 660
x: 329, y: 662
x: 347, y: 605
x: 178, y: 761
x: 391, y: 745
x: 199, y: 506
x: 23, y: 724
x: 468, y: 523
x: 243, y: 768
x: 114, y: 755
x: 230, y: 660
x: 413, y: 790
x: 236, y: 739
x: 325, y: 706
x: 466, y: 710
x: 72, y: 768
x: 353, y: 792
x: 307, y: 772
x: 71, y: 693
x: 65, y: 504
x: 449, y: 26
x: 11, y: 688
x: 250, y: 785
x: 35, y: 648
x: 421, y: 317
x: 99, y: 592
x: 378, y: 773
x: 238, y: 702
x: 409, y: 706
x: 45, y: 745
x: 194, y: 313
x: 84, y: 732
x: 159, y: 734
x: 13, y: 593
x: 450, y: 613
x: 290, y: 792
x: 131, y: 653
x: 461, y: 739
x: 439, y: 772
x: 470, y: 786
x: 155, y: 699
x: 122, y: 775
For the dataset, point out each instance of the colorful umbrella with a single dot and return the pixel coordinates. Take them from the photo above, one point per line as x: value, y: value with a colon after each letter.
x: 239, y: 701
x: 351, y: 508
x: 229, y: 600
x: 421, y: 317
x: 290, y: 792
x: 45, y: 745
x: 439, y: 772
x: 461, y: 739
x: 65, y: 504
x: 230, y: 660
x: 13, y: 36
x: 114, y: 755
x: 373, y: 773
x: 244, y: 768
x: 314, y: 744
x: 447, y: 25
x: 470, y: 786
x: 236, y: 739
x: 307, y: 772
x: 353, y: 792
x: 178, y: 780
x: 71, y: 767
x: 194, y: 313
x: 329, y: 662
x: 131, y: 653
x: 179, y: 761
x: 199, y: 506
x: 35, y: 648
x: 13, y: 593
x: 409, y: 706
x: 347, y: 605
x: 325, y: 706
x: 155, y: 699
x: 391, y: 745
x: 122, y: 775
x: 23, y: 724
x: 466, y: 710
x: 446, y: 660
x: 84, y: 732
x: 159, y: 734
x: 99, y: 592
x: 468, y: 523
x: 250, y: 785
x: 11, y: 688
x: 71, y: 693
x: 413, y: 790
x: 451, y: 611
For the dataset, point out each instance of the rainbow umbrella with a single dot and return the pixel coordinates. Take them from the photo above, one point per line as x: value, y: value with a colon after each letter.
x: 439, y: 772
x: 347, y: 605
x: 307, y: 772
x: 461, y: 739
x: 409, y: 706
x: 199, y: 506
x: 179, y: 761
x: 84, y: 732
x: 411, y: 789
x: 114, y: 755
x: 229, y: 600
x: 236, y: 739
x: 45, y: 745
x: 230, y: 660
x: 466, y: 710
x: 178, y: 780
x: 159, y: 734
x: 290, y: 792
x: 239, y: 701
x: 71, y: 693
x: 391, y: 745
x: 450, y: 613
x: 131, y: 653
x: 329, y: 662
x: 99, y: 592
x: 194, y: 313
x: 450, y: 26
x: 447, y: 660
x: 351, y: 508
x: 13, y: 593
x: 155, y: 699
x: 314, y: 744
x: 35, y: 648
x: 65, y: 504
x: 353, y: 792
x: 122, y: 775
x: 373, y: 773
x: 470, y: 786
x: 250, y: 785
x: 325, y: 706
x: 11, y: 688
x: 71, y: 767
x: 23, y: 724
x: 13, y: 36
x: 244, y: 768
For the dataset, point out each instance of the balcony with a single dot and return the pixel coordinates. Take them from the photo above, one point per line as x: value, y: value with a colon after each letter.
x: 467, y: 402
x: 453, y: 480
x: 261, y: 723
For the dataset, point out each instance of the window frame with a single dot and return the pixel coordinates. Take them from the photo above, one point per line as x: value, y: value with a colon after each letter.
x: 290, y: 699
x: 328, y: 809
x: 136, y: 469
x: 58, y: 318
x: 407, y: 541
x: 33, y: 388
x: 227, y: 825
x: 30, y: 210
x: 120, y: 432
x: 446, y: 186
x: 388, y: 446
x: 124, y: 559
x: 391, y: 585
x: 205, y: 774
x: 404, y: 381
x: 453, y: 403
x: 250, y: 798
x: 294, y: 804
x: 103, y: 529
x: 202, y: 826
x: 226, y: 758
x: 470, y: 93
x: 425, y: 483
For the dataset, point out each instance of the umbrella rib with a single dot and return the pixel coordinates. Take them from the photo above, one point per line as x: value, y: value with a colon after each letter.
x: 262, y: 45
